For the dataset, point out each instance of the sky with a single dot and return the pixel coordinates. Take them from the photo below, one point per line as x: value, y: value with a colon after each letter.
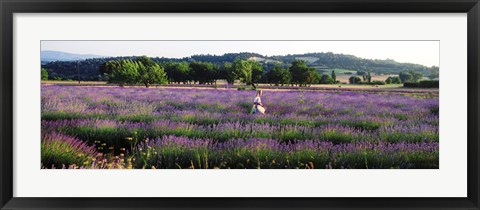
x: 419, y: 52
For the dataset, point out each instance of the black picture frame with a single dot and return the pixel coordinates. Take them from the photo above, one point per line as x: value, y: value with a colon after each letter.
x: 9, y: 7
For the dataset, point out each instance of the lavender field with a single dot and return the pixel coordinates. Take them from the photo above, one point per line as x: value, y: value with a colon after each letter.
x: 182, y: 128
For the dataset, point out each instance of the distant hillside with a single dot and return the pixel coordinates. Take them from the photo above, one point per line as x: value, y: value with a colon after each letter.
x: 63, y: 68
x: 342, y: 61
x: 327, y: 60
x: 49, y: 56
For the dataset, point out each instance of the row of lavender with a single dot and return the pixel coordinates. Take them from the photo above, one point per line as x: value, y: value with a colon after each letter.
x: 173, y: 152
x: 110, y: 101
x: 115, y: 133
x: 121, y: 119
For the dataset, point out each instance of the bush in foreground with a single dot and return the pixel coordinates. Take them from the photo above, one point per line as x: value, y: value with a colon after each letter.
x: 60, y: 150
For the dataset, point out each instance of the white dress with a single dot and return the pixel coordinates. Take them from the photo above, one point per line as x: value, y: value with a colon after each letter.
x: 258, y: 108
x: 257, y: 100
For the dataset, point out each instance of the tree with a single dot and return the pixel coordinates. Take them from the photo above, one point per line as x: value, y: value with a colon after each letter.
x: 367, y: 77
x: 150, y: 72
x: 312, y: 77
x: 109, y: 66
x: 410, y: 76
x: 177, y: 71
x: 247, y: 71
x: 257, y: 72
x: 302, y: 74
x: 278, y: 76
x: 396, y: 80
x: 354, y: 80
x: 406, y: 77
x: 433, y: 72
x: 297, y: 70
x: 203, y: 72
x: 125, y: 73
x: 388, y: 80
x: 393, y: 80
x: 416, y: 76
x: 44, y: 74
x: 334, y: 76
x: 326, y: 79
x: 226, y: 72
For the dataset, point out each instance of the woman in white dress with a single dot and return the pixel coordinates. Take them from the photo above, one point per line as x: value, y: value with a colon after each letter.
x: 257, y: 103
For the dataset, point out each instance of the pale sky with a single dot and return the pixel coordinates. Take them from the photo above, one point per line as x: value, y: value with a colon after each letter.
x: 419, y: 52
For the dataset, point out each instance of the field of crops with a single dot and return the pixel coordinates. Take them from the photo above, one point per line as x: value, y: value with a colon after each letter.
x: 168, y: 128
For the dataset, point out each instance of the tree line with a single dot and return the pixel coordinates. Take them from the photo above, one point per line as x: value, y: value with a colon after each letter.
x: 89, y: 69
x: 144, y: 70
x: 403, y: 77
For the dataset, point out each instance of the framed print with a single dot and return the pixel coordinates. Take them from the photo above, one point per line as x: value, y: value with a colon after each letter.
x: 239, y: 105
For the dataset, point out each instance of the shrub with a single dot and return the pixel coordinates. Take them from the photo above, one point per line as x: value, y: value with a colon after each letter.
x: 60, y: 150
x: 393, y: 80
x: 44, y: 74
x: 354, y: 80
x: 327, y: 79
x: 375, y: 82
x: 422, y: 84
